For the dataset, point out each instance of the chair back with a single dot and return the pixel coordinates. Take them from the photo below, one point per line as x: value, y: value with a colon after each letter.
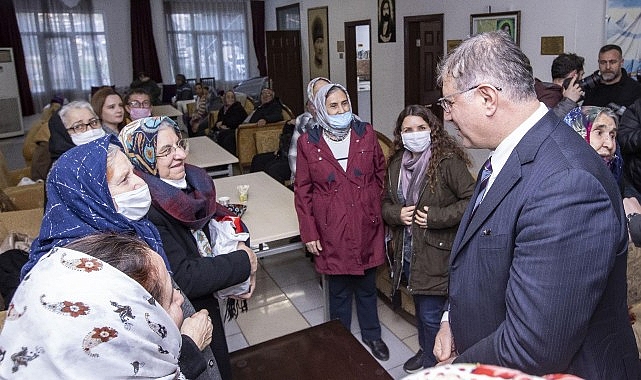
x: 386, y: 145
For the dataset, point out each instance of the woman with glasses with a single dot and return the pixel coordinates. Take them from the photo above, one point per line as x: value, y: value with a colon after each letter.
x: 92, y: 188
x: 110, y: 108
x: 183, y: 203
x: 427, y: 189
x: 138, y: 104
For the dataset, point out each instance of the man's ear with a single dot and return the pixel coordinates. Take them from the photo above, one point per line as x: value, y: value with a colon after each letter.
x: 490, y: 97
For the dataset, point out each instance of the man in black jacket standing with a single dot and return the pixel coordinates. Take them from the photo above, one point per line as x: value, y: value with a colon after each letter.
x: 616, y: 85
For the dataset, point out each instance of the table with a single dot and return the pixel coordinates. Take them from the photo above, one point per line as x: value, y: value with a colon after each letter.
x: 165, y: 110
x: 270, y: 214
x: 326, y: 351
x: 206, y: 154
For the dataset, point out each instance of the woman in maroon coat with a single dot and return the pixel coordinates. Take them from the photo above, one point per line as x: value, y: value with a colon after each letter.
x: 338, y: 187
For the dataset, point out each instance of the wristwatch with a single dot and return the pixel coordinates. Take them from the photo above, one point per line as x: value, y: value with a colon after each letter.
x: 630, y: 215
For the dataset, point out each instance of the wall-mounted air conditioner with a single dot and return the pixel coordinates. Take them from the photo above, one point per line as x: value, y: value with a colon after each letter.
x: 10, y: 110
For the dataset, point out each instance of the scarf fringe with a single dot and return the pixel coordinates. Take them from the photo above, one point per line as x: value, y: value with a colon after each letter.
x: 234, y: 308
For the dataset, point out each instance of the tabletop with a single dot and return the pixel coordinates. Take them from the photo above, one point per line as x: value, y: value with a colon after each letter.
x: 165, y: 110
x: 206, y: 154
x: 270, y: 214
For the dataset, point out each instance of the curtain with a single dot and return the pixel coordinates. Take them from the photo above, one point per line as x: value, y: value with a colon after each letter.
x: 143, y: 48
x: 258, y: 23
x: 64, y: 44
x: 208, y: 38
x: 10, y: 37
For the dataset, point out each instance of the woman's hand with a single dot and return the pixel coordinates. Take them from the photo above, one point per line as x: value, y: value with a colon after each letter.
x: 199, y: 328
x: 406, y: 215
x: 253, y: 260
x: 252, y: 286
x: 314, y: 247
x: 421, y: 217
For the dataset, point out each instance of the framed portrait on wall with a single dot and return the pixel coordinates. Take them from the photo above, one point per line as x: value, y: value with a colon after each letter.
x: 318, y: 42
x: 386, y: 21
x: 509, y: 22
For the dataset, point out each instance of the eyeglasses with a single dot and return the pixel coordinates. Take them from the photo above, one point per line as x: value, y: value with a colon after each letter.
x: 80, y: 127
x: 446, y: 103
x: 137, y: 104
x: 171, y: 149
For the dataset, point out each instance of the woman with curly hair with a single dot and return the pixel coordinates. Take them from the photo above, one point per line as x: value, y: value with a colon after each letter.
x: 427, y: 189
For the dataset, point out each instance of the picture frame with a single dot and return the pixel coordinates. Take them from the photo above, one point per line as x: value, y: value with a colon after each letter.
x: 386, y: 21
x: 318, y: 36
x: 288, y: 17
x: 488, y: 22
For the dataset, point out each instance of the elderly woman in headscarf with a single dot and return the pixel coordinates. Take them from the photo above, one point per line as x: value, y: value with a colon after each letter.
x: 183, y: 203
x: 92, y: 188
x: 598, y: 126
x: 304, y: 121
x: 339, y: 182
x: 75, y: 316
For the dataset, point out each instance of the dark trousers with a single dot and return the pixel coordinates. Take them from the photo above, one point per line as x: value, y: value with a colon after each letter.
x: 227, y: 139
x: 342, y: 288
x: 275, y: 166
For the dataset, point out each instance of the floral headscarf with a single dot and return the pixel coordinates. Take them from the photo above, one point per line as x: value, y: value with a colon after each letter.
x: 79, y: 203
x: 581, y: 120
x: 139, y: 141
x: 95, y: 322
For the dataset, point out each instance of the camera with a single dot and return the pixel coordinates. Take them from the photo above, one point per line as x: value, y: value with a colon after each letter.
x: 619, y: 110
x: 586, y: 83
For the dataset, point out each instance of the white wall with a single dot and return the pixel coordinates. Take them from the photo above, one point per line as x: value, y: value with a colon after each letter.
x: 580, y: 22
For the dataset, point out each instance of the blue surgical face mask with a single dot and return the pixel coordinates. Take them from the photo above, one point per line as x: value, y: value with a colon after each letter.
x: 340, y: 121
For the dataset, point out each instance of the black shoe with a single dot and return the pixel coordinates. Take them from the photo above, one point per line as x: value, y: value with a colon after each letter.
x: 415, y: 363
x: 379, y: 348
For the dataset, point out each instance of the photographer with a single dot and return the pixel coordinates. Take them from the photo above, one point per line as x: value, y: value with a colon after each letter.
x: 616, y: 85
x: 559, y: 96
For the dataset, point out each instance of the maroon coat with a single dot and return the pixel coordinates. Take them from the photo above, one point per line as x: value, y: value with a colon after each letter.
x: 342, y: 208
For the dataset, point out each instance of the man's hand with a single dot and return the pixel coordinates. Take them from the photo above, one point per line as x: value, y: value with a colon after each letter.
x: 573, y: 92
x: 444, y: 349
x: 261, y: 122
x: 199, y: 328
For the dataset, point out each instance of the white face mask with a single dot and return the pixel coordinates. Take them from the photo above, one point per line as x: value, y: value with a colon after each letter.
x: 177, y: 183
x: 416, y: 142
x: 133, y: 204
x: 87, y: 136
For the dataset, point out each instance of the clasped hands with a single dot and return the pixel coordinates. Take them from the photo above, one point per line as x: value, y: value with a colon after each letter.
x: 420, y: 218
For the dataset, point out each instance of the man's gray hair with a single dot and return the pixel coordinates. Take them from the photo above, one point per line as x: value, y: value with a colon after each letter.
x: 490, y: 58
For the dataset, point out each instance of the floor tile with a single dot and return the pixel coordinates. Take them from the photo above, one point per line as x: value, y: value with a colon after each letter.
x: 266, y: 292
x: 397, y: 372
x: 270, y: 321
x: 315, y: 317
x: 393, y: 321
x: 236, y: 342
x: 412, y: 343
x: 305, y: 296
x: 289, y: 270
x: 231, y: 328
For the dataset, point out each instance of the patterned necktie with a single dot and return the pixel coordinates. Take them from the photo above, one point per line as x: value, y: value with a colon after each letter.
x: 485, y: 178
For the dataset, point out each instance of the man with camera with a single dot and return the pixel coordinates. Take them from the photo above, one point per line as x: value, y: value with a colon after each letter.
x: 615, y: 85
x: 564, y: 92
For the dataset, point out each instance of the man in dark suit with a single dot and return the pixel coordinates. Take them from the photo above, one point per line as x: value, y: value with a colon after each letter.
x: 537, y: 270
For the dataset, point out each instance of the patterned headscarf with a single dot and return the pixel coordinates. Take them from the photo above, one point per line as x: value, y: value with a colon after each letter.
x: 321, y: 110
x: 139, y: 140
x: 95, y: 322
x: 310, y: 87
x: 193, y: 207
x: 79, y: 203
x: 581, y: 120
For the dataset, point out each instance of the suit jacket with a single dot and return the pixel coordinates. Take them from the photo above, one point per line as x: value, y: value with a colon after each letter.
x: 537, y: 275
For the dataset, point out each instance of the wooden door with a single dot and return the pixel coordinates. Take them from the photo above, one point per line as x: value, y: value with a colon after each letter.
x: 351, y: 70
x: 423, y: 44
x: 284, y: 67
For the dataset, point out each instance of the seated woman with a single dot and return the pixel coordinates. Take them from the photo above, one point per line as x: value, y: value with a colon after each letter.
x: 110, y: 108
x: 183, y: 203
x: 75, y: 316
x: 230, y: 116
x: 75, y: 124
x: 92, y: 188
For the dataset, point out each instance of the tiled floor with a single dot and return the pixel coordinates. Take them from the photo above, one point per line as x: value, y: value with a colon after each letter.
x: 289, y: 298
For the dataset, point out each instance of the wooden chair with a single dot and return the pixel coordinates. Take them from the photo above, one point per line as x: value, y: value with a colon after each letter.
x: 244, y: 99
x: 246, y: 147
x: 386, y: 145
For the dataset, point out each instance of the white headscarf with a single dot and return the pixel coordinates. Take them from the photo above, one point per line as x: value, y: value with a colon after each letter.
x: 76, y: 317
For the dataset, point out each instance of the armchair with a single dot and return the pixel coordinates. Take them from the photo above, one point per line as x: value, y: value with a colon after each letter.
x: 23, y: 197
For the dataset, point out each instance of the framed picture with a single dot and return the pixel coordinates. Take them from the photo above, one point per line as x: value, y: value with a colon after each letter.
x: 288, y: 17
x: 509, y: 22
x: 318, y: 42
x: 386, y: 21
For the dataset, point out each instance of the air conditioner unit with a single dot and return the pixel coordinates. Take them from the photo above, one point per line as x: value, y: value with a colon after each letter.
x: 10, y: 110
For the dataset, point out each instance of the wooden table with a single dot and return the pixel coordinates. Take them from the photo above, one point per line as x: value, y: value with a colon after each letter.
x: 326, y: 351
x: 206, y: 154
x: 166, y: 110
x: 270, y: 214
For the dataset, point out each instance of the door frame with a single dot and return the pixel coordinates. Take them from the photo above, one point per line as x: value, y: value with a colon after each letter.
x: 351, y: 82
